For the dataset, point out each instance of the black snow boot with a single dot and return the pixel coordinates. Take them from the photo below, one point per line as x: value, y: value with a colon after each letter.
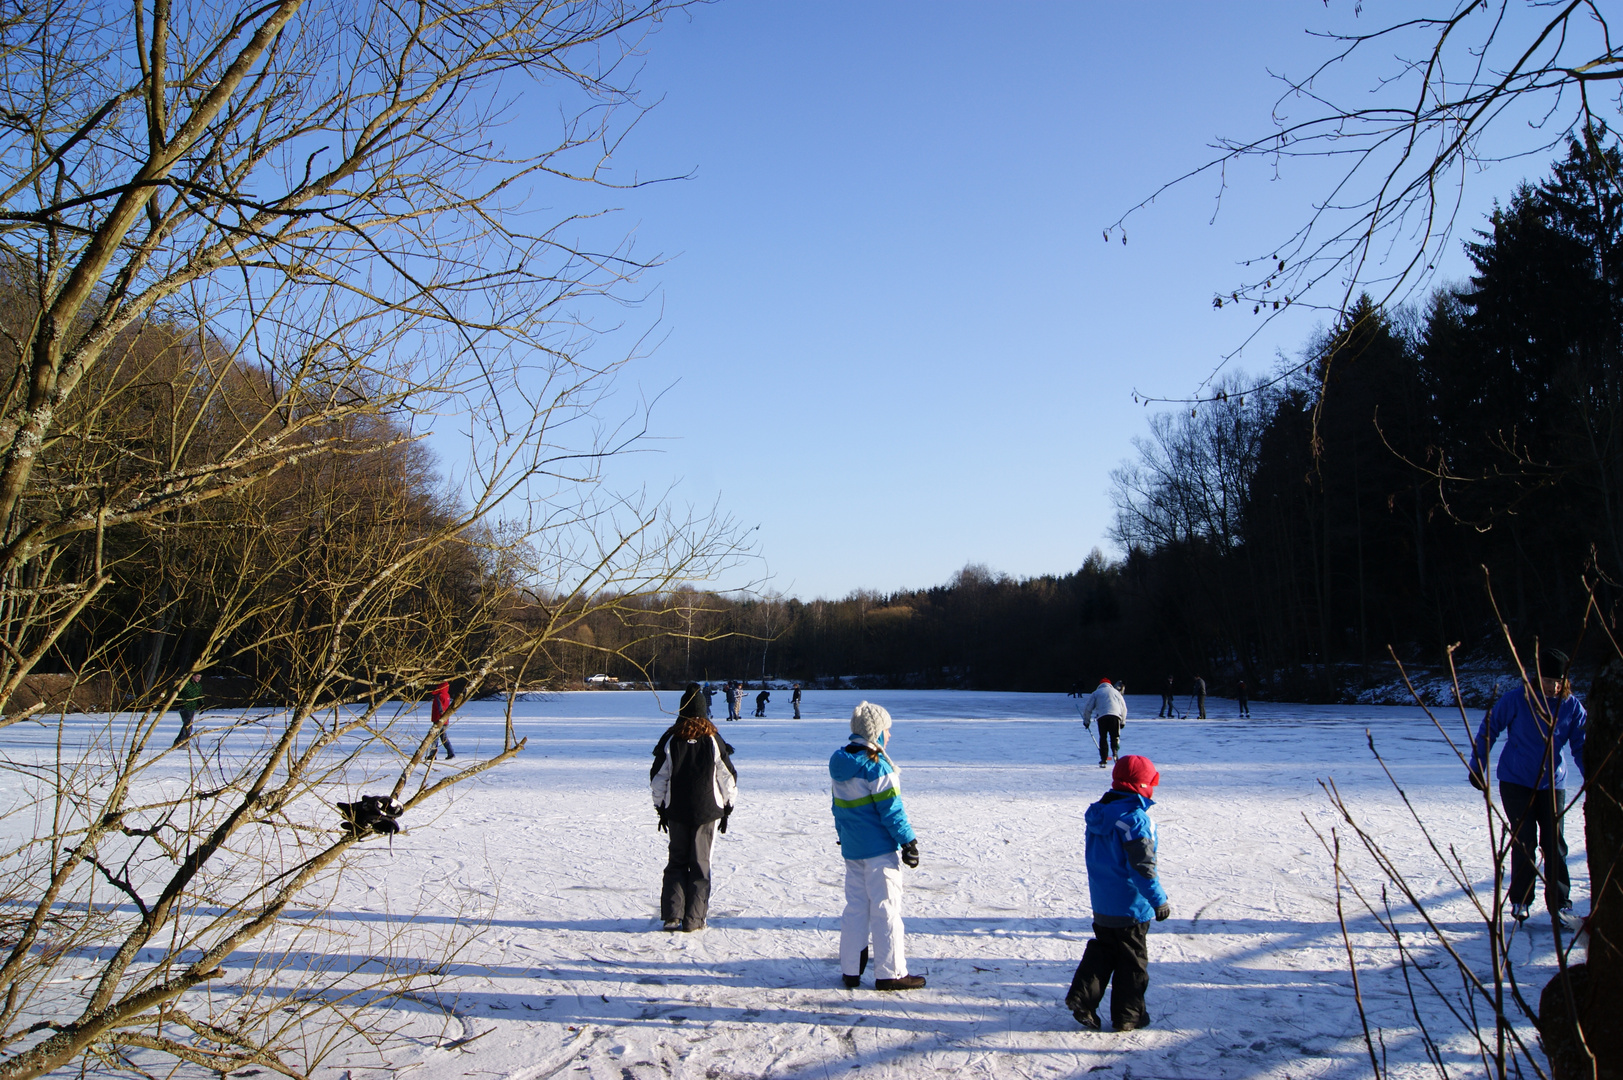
x: 906, y: 982
x: 854, y: 981
x: 1085, y: 1016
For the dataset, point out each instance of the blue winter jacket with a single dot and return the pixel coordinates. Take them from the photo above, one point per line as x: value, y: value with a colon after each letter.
x: 868, y: 812
x: 1524, y: 759
x: 1121, y: 860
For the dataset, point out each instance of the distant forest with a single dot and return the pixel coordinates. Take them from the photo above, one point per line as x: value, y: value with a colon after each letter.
x: 1288, y: 534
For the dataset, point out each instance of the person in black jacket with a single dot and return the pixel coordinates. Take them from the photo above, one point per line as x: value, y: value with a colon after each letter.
x: 694, y: 785
x: 760, y: 702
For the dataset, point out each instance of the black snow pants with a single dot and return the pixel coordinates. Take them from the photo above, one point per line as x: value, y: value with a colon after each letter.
x: 1122, y: 952
x: 1109, y: 737
x: 686, y: 895
x: 1532, y: 814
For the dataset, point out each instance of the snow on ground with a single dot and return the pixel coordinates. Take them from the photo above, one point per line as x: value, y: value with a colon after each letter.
x: 570, y: 975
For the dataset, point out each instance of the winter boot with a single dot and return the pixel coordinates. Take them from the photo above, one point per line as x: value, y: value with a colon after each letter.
x: 1085, y: 1016
x: 672, y: 925
x: 906, y: 982
x: 1519, y: 912
x: 854, y: 981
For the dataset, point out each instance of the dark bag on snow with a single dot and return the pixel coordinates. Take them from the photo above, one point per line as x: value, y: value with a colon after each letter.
x: 371, y: 813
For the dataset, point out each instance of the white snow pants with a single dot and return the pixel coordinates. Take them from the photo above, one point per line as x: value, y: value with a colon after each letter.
x: 873, y: 904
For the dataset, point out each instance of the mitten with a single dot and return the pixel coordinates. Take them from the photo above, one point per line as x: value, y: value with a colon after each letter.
x: 1163, y: 913
x: 664, y: 821
x: 726, y: 812
x: 1477, y: 782
x: 910, y: 854
x: 1087, y: 725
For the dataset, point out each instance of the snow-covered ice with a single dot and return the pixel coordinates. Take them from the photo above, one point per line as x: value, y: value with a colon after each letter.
x: 570, y: 975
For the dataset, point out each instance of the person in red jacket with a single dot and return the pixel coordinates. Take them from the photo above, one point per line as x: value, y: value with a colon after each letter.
x: 442, y: 705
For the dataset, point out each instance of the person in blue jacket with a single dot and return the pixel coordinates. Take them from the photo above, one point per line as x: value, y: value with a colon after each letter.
x: 1126, y: 895
x: 876, y: 840
x: 1532, y: 780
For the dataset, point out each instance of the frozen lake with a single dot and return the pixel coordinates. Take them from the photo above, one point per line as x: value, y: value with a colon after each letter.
x: 570, y: 975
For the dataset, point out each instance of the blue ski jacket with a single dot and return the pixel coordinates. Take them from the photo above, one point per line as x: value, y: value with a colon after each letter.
x: 1121, y: 846
x: 1531, y: 757
x: 868, y: 812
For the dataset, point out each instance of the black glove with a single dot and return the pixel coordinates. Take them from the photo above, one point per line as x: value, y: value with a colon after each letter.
x: 726, y: 812
x: 910, y: 854
x: 664, y: 821
x: 1087, y: 725
x: 1163, y: 913
x: 1477, y: 782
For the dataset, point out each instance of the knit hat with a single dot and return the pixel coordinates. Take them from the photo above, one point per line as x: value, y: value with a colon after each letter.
x: 1552, y: 663
x: 693, y: 703
x: 870, y: 721
x: 1135, y: 773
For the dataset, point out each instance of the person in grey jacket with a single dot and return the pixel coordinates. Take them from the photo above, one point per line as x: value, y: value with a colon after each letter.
x: 1107, y: 703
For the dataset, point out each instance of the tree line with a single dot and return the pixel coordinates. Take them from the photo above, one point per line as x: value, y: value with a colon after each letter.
x: 1285, y: 533
x: 1419, y: 475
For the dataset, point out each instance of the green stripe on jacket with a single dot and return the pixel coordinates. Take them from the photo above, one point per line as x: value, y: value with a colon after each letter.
x: 866, y: 800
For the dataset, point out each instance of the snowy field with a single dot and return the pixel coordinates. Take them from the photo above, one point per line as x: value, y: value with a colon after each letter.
x: 555, y: 861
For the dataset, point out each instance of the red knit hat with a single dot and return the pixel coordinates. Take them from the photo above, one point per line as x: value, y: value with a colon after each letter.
x: 1135, y: 773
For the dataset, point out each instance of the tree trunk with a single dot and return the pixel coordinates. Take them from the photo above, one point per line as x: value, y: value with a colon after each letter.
x: 1596, y: 987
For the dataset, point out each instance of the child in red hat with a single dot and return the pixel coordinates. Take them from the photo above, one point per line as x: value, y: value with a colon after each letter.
x: 1126, y: 895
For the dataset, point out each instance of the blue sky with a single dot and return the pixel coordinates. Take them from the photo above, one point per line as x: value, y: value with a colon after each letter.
x: 889, y: 331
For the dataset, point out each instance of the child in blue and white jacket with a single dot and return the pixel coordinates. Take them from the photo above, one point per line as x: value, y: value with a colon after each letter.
x: 876, y: 839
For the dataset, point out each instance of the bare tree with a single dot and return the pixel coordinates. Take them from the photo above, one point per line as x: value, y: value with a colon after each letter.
x: 312, y: 194
x: 250, y: 256
x: 1401, y: 115
x: 1192, y: 477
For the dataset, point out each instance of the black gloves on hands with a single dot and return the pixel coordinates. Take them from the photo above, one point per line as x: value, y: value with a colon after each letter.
x: 910, y: 854
x: 1477, y: 782
x: 1087, y: 725
x: 1163, y: 913
x: 726, y: 812
x: 664, y: 821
